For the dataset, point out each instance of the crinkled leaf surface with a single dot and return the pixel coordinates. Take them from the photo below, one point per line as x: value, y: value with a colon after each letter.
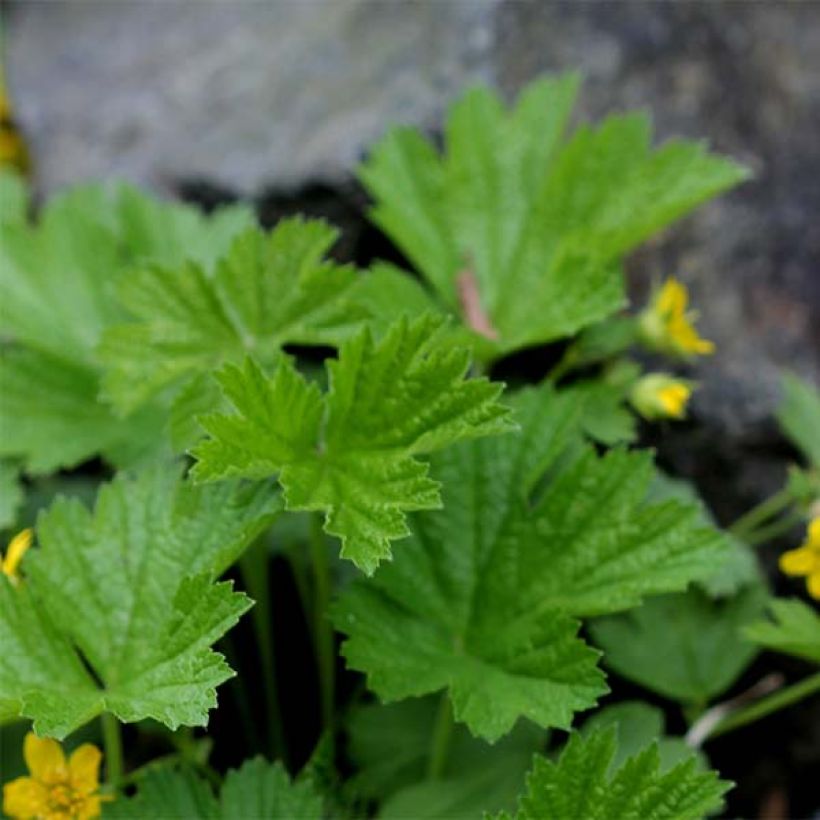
x: 799, y: 416
x: 638, y: 725
x: 538, y: 222
x: 484, y: 597
x: 584, y: 783
x: 351, y: 452
x: 58, y: 281
x: 269, y: 290
x: 794, y: 629
x: 687, y: 647
x: 740, y: 567
x: 258, y: 790
x: 477, y: 776
x: 130, y: 591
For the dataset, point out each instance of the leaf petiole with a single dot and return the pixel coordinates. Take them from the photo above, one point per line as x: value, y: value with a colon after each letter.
x: 112, y: 741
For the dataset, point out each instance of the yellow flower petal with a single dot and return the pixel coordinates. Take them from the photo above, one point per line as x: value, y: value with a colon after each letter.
x: 673, y: 399
x: 91, y: 807
x: 813, y: 585
x: 813, y: 541
x: 25, y: 798
x: 84, y: 766
x: 798, y: 562
x: 672, y: 298
x: 45, y: 759
x: 17, y: 549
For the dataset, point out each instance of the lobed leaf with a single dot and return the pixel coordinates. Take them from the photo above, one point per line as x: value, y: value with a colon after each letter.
x: 484, y: 598
x: 119, y: 608
x: 257, y: 789
x: 352, y: 451
x: 584, y: 783
x: 58, y: 281
x: 269, y: 290
x: 538, y: 223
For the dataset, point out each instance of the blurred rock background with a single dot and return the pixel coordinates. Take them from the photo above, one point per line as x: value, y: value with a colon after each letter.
x: 278, y: 101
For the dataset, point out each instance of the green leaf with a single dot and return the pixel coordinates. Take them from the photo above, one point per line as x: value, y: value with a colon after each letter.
x: 584, y: 782
x: 351, y: 451
x: 739, y: 568
x: 51, y: 417
x: 269, y: 290
x: 536, y: 223
x: 58, y: 280
x: 607, y: 419
x: 128, y: 592
x: 169, y: 794
x: 258, y: 790
x: 14, y: 199
x: 686, y: 647
x: 638, y: 725
x: 11, y: 494
x: 799, y: 416
x: 477, y: 776
x: 484, y: 597
x: 794, y: 629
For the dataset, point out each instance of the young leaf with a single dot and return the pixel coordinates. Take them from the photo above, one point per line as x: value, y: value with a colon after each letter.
x: 687, y: 647
x: 127, y: 592
x: 256, y: 790
x: 484, y: 598
x: 799, y: 416
x: 534, y: 227
x: 477, y: 776
x: 351, y: 452
x: 58, y: 278
x: 267, y: 291
x: 795, y: 630
x: 585, y: 783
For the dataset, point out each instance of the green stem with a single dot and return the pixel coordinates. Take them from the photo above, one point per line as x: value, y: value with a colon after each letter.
x: 440, y: 746
x: 767, y: 509
x: 782, y: 525
x: 323, y: 629
x: 562, y: 366
x: 766, y: 706
x: 112, y: 740
x: 254, y: 568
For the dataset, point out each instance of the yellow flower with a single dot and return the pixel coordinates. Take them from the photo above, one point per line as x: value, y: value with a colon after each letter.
x: 666, y: 326
x: 661, y: 396
x: 13, y: 150
x: 805, y: 560
x: 57, y: 789
x: 14, y: 554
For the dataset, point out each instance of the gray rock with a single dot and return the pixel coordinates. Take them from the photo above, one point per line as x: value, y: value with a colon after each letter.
x: 244, y: 94
x: 267, y: 96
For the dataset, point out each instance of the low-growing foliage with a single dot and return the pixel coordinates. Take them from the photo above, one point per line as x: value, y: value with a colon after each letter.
x: 512, y: 554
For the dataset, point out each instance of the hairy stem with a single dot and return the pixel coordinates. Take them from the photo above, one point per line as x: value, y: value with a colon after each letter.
x: 254, y: 568
x: 112, y: 741
x: 442, y: 731
x: 323, y: 629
